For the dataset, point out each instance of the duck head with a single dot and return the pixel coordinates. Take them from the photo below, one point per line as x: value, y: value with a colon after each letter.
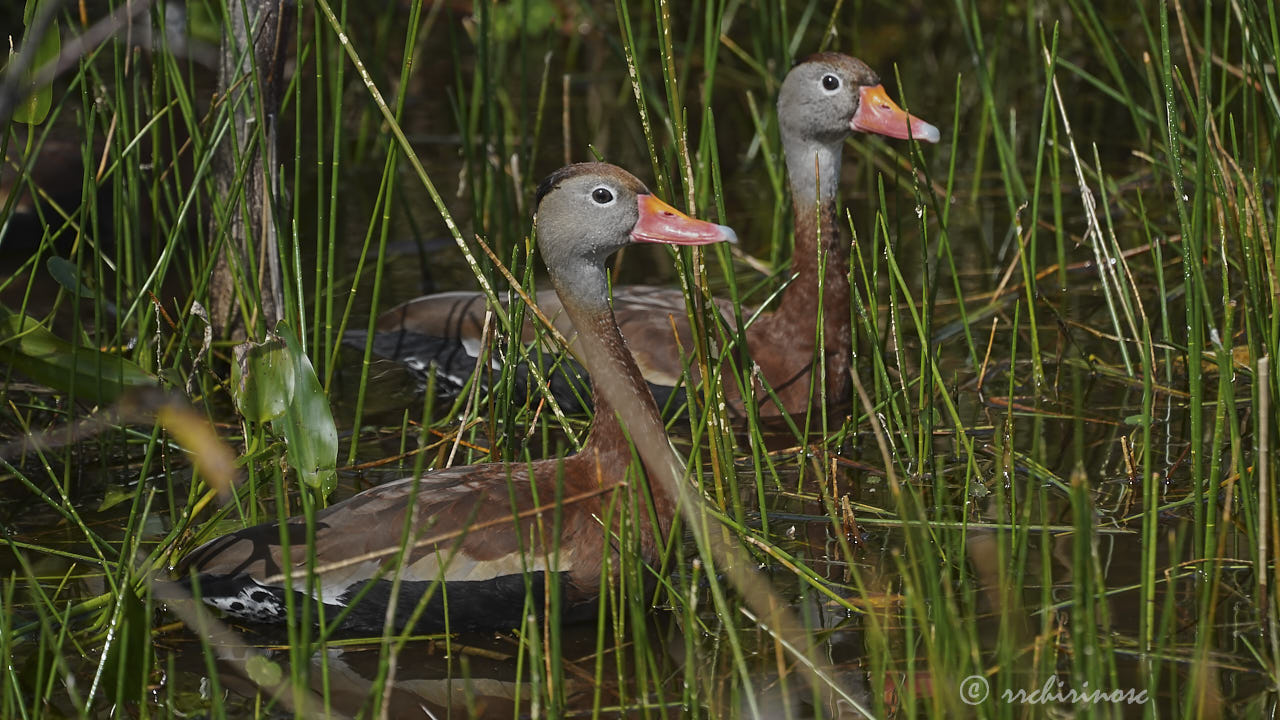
x: 829, y: 95
x: 588, y: 211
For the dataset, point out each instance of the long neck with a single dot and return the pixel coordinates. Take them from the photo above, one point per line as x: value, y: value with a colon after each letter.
x: 814, y: 170
x: 620, y: 390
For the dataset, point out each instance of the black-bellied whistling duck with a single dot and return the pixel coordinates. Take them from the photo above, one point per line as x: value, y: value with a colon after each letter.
x: 464, y: 527
x: 823, y: 100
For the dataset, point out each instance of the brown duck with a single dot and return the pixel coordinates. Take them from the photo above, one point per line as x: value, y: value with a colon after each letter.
x: 822, y: 101
x: 469, y: 552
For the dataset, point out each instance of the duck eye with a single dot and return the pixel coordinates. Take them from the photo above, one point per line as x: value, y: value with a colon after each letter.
x: 830, y: 83
x: 602, y: 196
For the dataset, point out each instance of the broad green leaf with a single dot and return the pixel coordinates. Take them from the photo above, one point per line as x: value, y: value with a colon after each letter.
x: 34, y: 107
x: 67, y: 275
x: 264, y: 671
x: 262, y: 379
x: 49, y: 360
x: 273, y: 381
x: 115, y: 495
x: 308, y: 426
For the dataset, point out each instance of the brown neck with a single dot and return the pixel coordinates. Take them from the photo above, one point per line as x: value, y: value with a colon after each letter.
x: 620, y: 391
x: 820, y: 266
x: 606, y: 438
x: 813, y: 171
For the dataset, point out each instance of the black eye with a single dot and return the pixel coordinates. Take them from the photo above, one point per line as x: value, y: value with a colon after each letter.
x: 830, y: 83
x: 602, y: 196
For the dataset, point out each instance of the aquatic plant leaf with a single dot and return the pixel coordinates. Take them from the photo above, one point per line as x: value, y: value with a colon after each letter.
x: 87, y: 372
x: 67, y: 275
x: 34, y: 107
x: 264, y: 671
x: 262, y: 379
x: 273, y: 381
x: 116, y: 494
x: 307, y: 425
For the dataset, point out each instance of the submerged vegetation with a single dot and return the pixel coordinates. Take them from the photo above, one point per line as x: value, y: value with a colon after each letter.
x: 1052, y: 489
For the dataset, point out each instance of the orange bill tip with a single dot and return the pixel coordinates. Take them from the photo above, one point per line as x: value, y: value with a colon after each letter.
x: 881, y: 115
x: 661, y: 223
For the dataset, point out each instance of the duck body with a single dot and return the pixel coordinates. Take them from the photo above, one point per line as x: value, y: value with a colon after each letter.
x: 441, y: 333
x: 823, y: 100
x: 469, y: 553
x: 485, y: 538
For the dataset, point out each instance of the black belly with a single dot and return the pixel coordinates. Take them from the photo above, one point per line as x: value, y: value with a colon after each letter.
x: 469, y: 605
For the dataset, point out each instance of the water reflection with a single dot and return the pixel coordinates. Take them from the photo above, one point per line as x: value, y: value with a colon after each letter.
x: 427, y: 683
x: 487, y: 677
